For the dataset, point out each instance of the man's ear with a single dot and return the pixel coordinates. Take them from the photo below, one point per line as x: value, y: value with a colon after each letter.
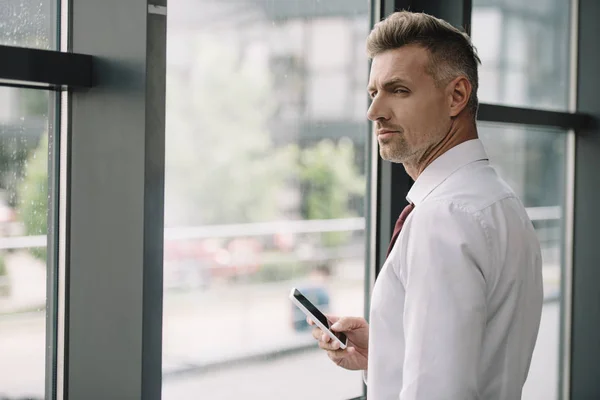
x: 459, y: 92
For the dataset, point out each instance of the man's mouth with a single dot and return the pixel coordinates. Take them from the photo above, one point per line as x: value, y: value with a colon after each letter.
x: 385, y: 134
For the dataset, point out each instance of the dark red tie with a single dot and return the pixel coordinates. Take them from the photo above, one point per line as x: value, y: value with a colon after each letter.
x: 399, y: 224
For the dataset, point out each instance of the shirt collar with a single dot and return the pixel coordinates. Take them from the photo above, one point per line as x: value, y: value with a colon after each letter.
x: 444, y: 166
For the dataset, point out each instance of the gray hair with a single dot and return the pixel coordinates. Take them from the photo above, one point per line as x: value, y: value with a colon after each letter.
x: 451, y: 52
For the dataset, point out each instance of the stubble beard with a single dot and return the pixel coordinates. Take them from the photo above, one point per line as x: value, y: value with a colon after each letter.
x: 395, y: 150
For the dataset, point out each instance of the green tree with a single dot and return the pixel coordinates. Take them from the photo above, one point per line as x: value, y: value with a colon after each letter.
x: 221, y: 164
x: 4, y: 283
x: 3, y: 269
x: 330, y: 179
x: 32, y: 204
x: 18, y: 140
x: 14, y: 153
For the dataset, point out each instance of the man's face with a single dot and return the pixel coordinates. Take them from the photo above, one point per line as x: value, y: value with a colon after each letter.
x: 411, y: 114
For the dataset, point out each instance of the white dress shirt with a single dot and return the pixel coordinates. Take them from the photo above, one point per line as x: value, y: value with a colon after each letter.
x: 456, y: 309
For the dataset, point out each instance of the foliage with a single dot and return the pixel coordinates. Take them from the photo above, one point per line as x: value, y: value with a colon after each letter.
x: 221, y: 166
x: 32, y: 205
x: 280, y: 271
x: 330, y: 180
x: 4, y: 283
x: 34, y: 103
x: 14, y: 152
x: 3, y: 269
x: 19, y: 137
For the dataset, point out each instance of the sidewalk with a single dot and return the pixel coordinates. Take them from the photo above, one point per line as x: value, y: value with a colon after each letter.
x: 27, y: 276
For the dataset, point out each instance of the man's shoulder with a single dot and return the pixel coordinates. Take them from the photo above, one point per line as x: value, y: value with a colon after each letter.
x: 472, y: 189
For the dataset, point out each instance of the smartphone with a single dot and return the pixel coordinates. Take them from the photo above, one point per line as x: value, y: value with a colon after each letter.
x: 317, y: 316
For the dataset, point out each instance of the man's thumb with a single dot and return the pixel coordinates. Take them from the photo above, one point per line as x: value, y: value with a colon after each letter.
x: 345, y: 324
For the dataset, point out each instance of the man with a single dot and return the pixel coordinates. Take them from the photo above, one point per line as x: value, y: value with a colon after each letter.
x: 456, y: 308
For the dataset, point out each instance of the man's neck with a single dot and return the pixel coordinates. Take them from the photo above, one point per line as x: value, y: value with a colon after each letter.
x: 458, y: 133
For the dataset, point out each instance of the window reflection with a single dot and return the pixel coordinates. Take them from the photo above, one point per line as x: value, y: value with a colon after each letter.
x: 524, y: 51
x: 23, y: 227
x: 265, y: 189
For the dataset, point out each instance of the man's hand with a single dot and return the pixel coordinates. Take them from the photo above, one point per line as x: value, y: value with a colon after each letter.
x: 355, y: 355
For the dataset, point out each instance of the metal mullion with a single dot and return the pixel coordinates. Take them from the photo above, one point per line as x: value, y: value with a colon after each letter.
x: 55, y: 133
x: 114, y: 235
x: 530, y: 116
x: 154, y: 189
x: 371, y: 205
x: 566, y: 278
x: 46, y: 69
x: 62, y: 225
x: 467, y: 15
x: 584, y: 307
x: 30, y: 85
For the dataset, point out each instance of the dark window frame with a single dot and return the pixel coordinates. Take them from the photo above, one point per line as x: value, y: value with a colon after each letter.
x: 44, y: 69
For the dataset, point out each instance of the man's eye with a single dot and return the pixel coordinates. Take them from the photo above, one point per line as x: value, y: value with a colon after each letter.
x: 373, y: 94
x: 400, y: 90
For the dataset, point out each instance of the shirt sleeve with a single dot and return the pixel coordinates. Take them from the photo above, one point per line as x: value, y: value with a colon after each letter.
x: 445, y: 305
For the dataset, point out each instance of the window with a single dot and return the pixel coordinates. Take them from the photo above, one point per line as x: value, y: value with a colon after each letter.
x: 524, y: 51
x: 24, y: 126
x: 28, y: 23
x: 27, y: 123
x: 265, y: 190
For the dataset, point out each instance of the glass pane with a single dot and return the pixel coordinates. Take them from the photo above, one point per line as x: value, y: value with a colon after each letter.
x: 265, y: 190
x: 533, y: 162
x: 524, y: 51
x: 29, y: 23
x: 24, y: 126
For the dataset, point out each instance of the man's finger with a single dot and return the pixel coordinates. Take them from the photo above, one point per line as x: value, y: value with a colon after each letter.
x: 328, y: 346
x: 317, y: 333
x: 336, y: 355
x: 346, y: 324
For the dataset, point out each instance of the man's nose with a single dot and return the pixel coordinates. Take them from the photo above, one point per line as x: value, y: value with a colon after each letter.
x: 377, y: 110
